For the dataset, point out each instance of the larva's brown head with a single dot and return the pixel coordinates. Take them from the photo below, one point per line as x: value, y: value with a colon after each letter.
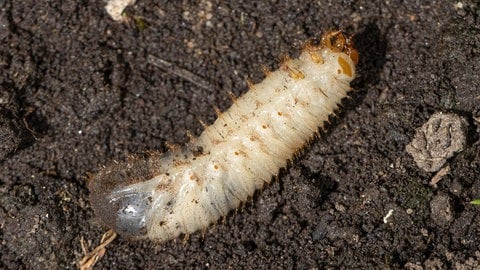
x: 338, y: 41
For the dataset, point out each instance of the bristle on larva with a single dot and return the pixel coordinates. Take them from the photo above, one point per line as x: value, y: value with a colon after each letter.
x: 186, y: 189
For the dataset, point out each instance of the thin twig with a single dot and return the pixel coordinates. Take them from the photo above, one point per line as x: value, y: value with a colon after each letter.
x: 180, y: 72
x: 91, y: 258
x: 439, y: 175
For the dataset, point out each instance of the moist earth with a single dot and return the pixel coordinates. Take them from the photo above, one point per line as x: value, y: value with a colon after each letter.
x: 77, y: 91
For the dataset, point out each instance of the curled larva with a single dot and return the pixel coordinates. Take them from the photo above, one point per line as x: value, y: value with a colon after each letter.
x: 186, y: 189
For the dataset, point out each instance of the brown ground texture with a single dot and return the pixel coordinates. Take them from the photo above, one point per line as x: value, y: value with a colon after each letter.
x: 77, y: 91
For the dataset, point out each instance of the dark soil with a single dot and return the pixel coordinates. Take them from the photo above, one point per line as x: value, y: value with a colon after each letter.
x: 77, y: 91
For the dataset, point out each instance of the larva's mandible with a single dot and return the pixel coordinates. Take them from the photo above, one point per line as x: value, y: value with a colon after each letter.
x: 184, y: 190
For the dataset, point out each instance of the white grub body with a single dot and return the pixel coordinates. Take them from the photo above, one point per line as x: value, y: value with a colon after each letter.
x: 185, y: 190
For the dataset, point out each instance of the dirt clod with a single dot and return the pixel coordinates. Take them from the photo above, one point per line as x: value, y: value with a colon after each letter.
x: 441, y: 212
x: 443, y: 135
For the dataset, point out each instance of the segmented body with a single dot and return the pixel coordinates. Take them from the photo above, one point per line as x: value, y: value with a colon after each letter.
x: 185, y: 190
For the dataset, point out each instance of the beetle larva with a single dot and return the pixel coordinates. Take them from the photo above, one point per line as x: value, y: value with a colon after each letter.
x: 186, y: 189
